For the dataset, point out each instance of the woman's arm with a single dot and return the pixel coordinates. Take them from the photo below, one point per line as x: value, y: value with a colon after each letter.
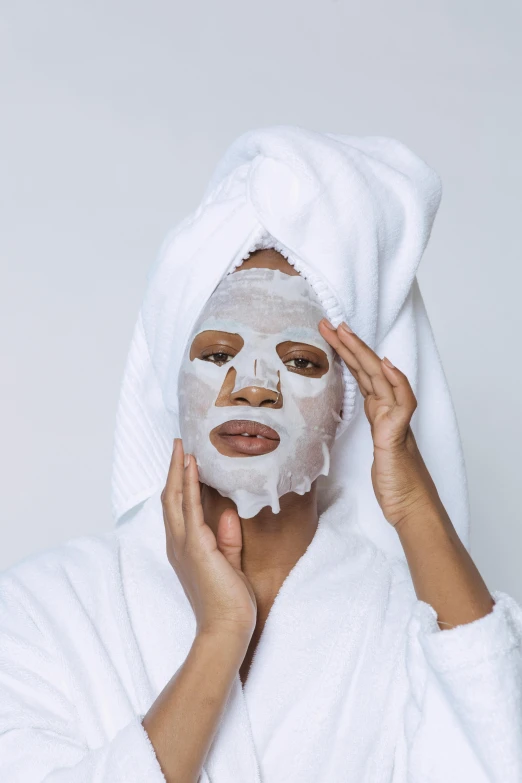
x: 442, y: 570
x: 443, y: 573
x: 183, y: 720
x: 463, y: 718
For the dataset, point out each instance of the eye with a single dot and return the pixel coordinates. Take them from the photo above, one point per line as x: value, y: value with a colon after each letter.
x: 301, y: 363
x: 303, y: 359
x: 218, y: 357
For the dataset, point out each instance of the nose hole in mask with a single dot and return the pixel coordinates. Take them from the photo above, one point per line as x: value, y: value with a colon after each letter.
x: 258, y: 397
x: 254, y: 396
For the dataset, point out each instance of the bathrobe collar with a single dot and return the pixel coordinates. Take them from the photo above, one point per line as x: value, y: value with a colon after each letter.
x: 324, y: 610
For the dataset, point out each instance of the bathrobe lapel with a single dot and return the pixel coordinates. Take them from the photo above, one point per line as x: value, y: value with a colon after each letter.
x: 273, y: 728
x: 321, y: 612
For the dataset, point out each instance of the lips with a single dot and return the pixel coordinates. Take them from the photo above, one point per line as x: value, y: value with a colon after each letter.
x: 245, y: 437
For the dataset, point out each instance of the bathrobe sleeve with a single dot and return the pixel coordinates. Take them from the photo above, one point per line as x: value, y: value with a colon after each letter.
x: 40, y: 737
x: 464, y: 716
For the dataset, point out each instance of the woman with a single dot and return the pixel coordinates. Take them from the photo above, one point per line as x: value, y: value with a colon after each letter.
x: 287, y: 594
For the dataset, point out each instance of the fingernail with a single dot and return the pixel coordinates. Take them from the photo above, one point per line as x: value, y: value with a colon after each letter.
x: 329, y: 325
x: 388, y: 363
x: 186, y: 460
x: 346, y: 328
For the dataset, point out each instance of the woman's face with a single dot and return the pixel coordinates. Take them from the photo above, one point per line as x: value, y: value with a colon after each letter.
x: 260, y: 390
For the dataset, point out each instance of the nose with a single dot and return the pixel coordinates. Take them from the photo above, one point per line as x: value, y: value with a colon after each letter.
x: 255, y: 396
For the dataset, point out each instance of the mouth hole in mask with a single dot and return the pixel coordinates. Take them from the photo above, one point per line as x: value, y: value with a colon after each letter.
x: 244, y: 438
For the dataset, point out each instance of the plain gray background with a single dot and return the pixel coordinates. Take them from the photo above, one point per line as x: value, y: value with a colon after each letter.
x: 113, y: 116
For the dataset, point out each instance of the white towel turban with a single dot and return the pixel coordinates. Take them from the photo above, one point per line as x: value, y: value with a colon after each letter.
x: 353, y: 215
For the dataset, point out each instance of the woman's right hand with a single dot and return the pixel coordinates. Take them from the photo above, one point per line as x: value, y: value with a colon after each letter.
x: 208, y: 566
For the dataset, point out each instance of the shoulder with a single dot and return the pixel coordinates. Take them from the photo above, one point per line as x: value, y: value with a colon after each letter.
x: 88, y: 577
x: 61, y: 580
x: 66, y: 560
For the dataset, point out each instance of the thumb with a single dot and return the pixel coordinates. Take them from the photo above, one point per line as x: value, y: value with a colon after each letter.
x: 229, y: 537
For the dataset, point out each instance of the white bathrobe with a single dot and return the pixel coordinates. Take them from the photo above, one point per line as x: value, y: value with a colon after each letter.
x: 352, y: 681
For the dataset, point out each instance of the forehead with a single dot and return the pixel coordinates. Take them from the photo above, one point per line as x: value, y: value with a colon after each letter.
x: 264, y: 300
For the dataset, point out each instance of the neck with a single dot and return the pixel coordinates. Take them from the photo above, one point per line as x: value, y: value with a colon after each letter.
x: 272, y: 543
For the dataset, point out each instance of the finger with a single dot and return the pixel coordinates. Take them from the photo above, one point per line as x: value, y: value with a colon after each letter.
x: 172, y: 495
x: 229, y: 537
x: 362, y: 378
x: 369, y: 361
x: 191, y: 505
x: 404, y: 394
x: 364, y: 363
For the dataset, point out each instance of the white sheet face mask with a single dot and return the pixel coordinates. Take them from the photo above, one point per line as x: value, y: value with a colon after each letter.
x: 263, y: 309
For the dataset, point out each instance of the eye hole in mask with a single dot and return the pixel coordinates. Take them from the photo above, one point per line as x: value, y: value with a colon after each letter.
x: 220, y: 347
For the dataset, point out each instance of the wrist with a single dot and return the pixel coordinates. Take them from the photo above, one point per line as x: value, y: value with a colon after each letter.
x: 223, y: 638
x: 426, y: 513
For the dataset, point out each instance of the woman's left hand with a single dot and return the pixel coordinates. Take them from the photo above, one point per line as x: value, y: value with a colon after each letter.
x: 400, y: 478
